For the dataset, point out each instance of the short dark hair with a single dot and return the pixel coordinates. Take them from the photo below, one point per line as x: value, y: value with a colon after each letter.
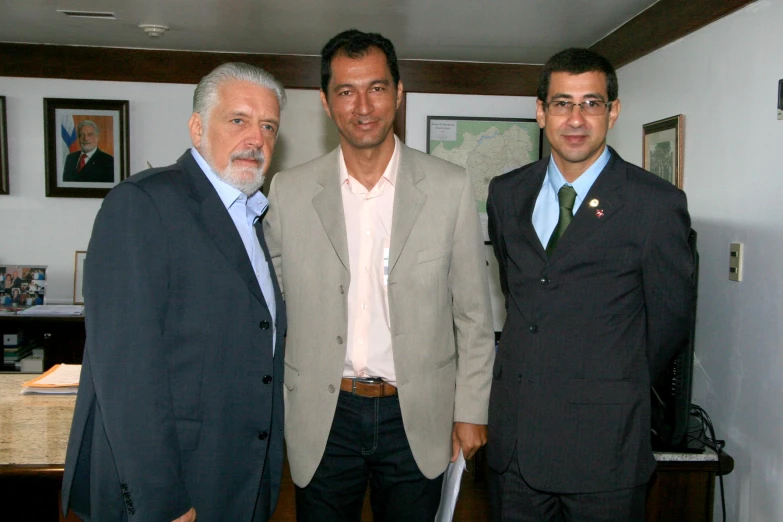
x: 356, y: 44
x: 577, y: 61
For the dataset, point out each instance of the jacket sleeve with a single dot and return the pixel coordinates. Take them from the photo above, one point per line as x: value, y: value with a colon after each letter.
x: 472, y: 313
x: 667, y: 272
x: 126, y: 287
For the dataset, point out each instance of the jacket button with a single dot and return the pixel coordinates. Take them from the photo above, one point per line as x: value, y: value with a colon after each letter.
x: 339, y: 340
x: 263, y: 435
x: 267, y: 379
x: 544, y: 280
x: 331, y: 388
x: 342, y: 290
x: 533, y: 329
x: 264, y: 325
x: 519, y: 378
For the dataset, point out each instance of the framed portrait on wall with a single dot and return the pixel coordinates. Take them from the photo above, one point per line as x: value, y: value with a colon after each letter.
x: 86, y: 146
x: 485, y: 147
x: 3, y: 150
x: 662, y: 148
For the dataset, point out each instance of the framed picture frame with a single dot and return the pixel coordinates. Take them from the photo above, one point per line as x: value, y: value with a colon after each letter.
x: 662, y: 145
x: 22, y: 286
x: 504, y: 144
x: 78, y: 276
x: 87, y: 146
x: 3, y: 150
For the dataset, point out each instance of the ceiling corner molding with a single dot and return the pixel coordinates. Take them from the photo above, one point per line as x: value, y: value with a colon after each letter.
x: 663, y: 23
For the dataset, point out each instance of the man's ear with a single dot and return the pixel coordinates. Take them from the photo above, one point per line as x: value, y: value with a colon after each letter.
x: 614, y: 112
x: 399, y: 94
x: 325, y: 103
x: 196, y: 127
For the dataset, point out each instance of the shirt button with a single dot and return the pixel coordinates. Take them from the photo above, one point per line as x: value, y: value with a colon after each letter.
x: 533, y: 329
x: 361, y: 342
x: 339, y: 340
x: 364, y: 307
x: 263, y: 435
x: 264, y: 325
x: 330, y: 388
x: 267, y: 379
x: 366, y: 232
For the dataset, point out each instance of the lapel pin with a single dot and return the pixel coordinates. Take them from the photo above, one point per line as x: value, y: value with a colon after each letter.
x: 593, y: 203
x: 599, y: 212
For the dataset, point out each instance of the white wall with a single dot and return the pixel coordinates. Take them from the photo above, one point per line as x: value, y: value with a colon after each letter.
x: 37, y: 230
x: 724, y: 79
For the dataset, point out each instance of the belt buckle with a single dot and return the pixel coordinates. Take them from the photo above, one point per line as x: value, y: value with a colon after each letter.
x: 366, y: 380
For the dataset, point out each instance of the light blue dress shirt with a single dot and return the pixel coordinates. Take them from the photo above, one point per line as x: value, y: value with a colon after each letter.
x: 547, y: 209
x: 244, y: 212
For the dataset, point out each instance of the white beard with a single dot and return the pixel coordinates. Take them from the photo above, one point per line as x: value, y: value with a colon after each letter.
x: 247, y: 180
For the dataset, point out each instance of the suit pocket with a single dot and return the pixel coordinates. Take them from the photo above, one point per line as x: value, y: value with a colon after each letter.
x: 445, y: 362
x: 290, y: 376
x: 432, y: 254
x: 188, y: 433
x: 583, y: 391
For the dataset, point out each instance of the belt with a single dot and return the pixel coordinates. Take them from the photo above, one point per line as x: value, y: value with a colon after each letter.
x: 368, y: 388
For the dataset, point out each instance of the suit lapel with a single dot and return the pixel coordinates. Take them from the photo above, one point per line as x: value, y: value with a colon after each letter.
x: 280, y: 320
x: 328, y: 204
x: 524, y: 206
x: 608, y: 196
x: 218, y: 224
x: 408, y: 202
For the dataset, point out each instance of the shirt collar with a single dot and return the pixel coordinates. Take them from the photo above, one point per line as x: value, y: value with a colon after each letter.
x: 583, y: 183
x: 90, y: 154
x: 390, y: 173
x: 229, y: 195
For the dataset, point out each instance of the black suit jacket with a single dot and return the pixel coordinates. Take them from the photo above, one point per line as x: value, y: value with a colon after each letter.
x: 587, y: 328
x: 100, y: 167
x: 180, y: 398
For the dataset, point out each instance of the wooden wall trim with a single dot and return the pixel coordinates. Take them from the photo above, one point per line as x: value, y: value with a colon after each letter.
x: 296, y: 72
x: 660, y: 25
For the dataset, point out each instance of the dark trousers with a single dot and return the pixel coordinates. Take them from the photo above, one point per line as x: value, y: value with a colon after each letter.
x: 512, y: 499
x: 367, y: 443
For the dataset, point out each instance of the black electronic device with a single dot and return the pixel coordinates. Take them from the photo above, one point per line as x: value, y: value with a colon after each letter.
x: 671, y: 392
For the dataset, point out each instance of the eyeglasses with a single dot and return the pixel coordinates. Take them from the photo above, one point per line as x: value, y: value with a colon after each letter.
x: 588, y: 107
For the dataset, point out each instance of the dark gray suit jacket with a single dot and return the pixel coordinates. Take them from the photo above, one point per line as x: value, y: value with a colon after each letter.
x: 180, y: 399
x: 586, y: 328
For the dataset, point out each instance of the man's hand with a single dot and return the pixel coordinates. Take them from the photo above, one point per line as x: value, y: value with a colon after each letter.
x: 469, y: 437
x: 190, y: 516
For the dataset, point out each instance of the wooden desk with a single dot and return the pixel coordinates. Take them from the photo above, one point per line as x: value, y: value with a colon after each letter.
x: 34, y: 435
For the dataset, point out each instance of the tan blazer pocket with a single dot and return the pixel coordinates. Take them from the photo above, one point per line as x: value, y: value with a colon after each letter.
x: 290, y: 376
x: 446, y: 362
x: 431, y: 254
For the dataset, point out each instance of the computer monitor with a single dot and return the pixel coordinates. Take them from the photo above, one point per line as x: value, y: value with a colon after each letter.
x: 671, y: 392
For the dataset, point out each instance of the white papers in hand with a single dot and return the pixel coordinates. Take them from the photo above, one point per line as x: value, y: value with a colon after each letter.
x: 451, y: 482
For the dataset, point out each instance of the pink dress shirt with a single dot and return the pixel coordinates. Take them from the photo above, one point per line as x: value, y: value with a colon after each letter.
x: 368, y: 220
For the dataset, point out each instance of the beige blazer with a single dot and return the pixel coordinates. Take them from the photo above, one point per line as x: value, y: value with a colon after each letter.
x: 441, y: 323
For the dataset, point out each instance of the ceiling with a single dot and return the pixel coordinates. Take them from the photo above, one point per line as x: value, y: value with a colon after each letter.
x: 509, y: 31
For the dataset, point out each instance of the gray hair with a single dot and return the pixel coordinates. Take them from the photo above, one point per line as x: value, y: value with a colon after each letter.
x: 205, y: 95
x: 87, y: 123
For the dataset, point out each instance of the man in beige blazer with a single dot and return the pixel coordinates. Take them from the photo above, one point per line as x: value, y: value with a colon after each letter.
x: 379, y: 254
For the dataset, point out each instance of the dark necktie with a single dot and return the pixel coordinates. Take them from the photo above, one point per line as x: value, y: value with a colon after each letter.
x: 566, y: 196
x: 82, y: 161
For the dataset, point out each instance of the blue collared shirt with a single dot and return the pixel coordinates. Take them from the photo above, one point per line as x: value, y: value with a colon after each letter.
x: 244, y: 212
x: 547, y: 209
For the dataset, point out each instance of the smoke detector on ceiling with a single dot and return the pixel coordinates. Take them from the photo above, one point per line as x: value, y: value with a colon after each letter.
x: 154, y: 30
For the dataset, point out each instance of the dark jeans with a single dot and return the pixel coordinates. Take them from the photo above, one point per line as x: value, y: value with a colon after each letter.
x: 512, y: 499
x: 367, y: 442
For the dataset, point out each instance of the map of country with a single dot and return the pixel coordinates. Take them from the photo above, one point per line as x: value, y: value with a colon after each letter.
x: 485, y: 148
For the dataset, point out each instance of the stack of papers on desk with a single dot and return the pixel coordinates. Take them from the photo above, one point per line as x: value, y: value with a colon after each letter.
x: 59, y: 379
x: 53, y: 310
